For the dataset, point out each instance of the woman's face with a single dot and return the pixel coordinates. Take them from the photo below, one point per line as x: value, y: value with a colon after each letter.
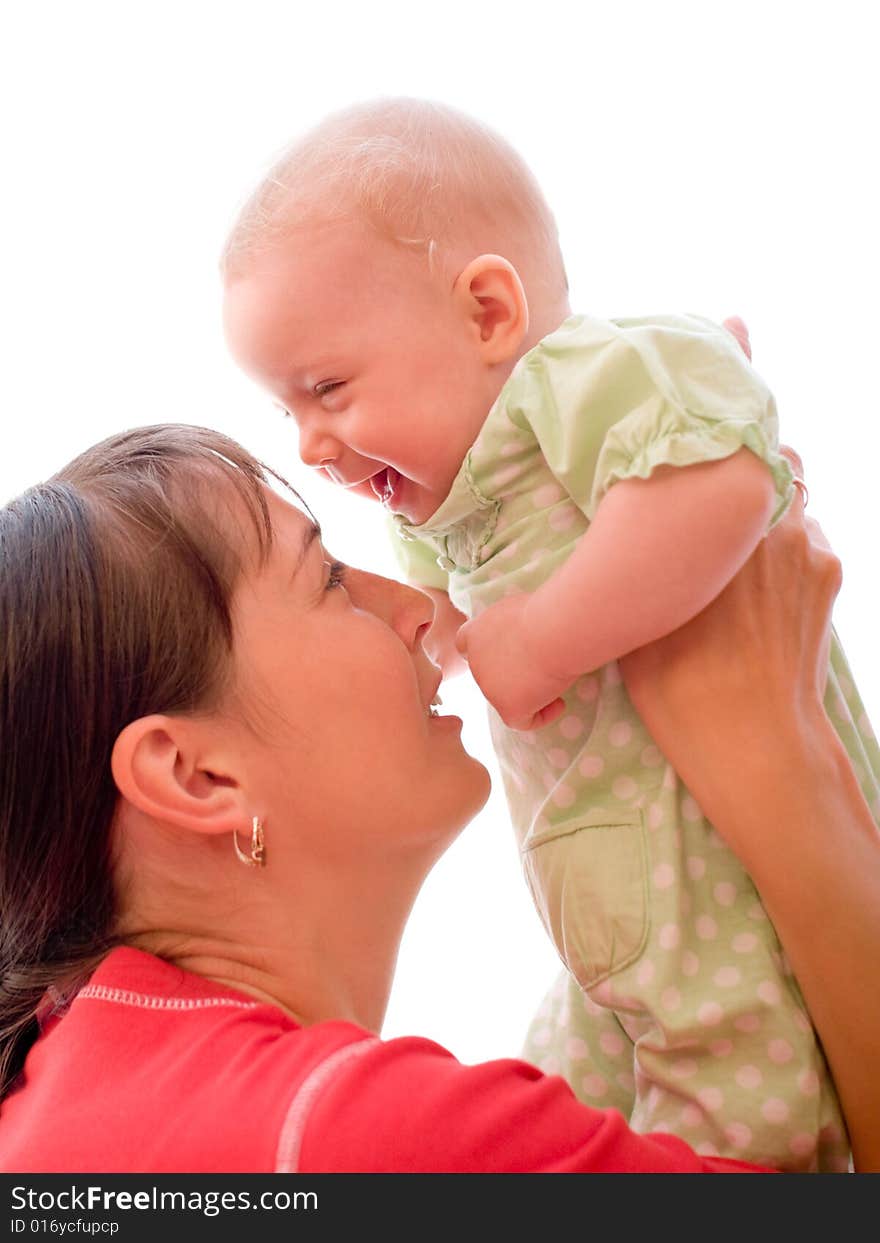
x: 330, y: 669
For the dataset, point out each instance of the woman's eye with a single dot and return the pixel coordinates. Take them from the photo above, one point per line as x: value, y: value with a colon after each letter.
x: 327, y: 386
x: 336, y: 577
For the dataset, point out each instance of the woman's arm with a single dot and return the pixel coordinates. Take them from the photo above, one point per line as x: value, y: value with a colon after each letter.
x: 492, y: 1118
x: 750, y: 738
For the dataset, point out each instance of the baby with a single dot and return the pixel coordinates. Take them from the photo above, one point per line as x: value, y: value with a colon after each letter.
x: 579, y: 487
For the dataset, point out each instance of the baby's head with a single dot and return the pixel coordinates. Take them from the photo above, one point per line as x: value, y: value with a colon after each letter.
x: 382, y: 281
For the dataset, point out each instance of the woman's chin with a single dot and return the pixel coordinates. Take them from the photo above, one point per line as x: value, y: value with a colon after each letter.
x: 462, y: 811
x: 465, y: 792
x: 480, y: 787
x: 487, y: 786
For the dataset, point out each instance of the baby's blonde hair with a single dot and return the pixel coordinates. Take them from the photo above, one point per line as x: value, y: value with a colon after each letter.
x: 420, y: 173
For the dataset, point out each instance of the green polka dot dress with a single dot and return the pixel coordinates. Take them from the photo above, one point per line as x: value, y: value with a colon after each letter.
x: 677, y: 1005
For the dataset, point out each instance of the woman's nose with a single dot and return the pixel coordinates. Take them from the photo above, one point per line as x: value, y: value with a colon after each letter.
x: 408, y: 611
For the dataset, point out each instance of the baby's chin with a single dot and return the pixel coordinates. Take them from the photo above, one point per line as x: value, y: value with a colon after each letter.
x: 395, y: 493
x: 399, y: 495
x: 415, y: 511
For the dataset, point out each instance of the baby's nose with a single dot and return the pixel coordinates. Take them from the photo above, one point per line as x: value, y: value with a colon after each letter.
x: 317, y: 448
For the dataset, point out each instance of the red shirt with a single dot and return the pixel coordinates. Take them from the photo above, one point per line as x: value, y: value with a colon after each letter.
x: 153, y: 1069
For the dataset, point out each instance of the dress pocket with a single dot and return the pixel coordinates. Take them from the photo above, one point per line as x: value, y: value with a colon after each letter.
x: 589, y: 880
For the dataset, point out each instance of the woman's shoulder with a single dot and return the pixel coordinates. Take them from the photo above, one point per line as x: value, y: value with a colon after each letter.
x: 223, y: 1034
x: 132, y: 978
x: 154, y: 1068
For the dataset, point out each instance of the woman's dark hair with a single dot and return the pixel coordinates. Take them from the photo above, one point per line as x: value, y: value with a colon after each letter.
x: 115, y: 583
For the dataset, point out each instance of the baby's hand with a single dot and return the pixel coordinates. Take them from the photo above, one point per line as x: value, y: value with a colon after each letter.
x: 524, y: 696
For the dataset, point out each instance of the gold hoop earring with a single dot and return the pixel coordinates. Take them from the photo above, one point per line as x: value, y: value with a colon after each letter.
x: 257, y: 857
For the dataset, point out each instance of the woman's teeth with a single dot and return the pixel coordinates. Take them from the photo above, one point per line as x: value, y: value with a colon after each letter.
x: 435, y: 703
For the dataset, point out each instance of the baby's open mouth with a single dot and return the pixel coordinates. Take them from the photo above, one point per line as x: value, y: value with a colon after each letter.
x: 383, y: 484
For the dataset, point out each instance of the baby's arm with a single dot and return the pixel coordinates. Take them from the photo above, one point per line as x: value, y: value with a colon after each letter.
x: 657, y: 552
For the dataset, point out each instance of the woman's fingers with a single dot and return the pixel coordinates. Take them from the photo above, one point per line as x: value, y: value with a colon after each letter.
x: 737, y: 328
x: 755, y: 653
x: 794, y: 459
x: 809, y: 527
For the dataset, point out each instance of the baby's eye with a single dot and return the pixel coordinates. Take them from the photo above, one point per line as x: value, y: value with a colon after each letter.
x: 336, y: 577
x: 327, y: 386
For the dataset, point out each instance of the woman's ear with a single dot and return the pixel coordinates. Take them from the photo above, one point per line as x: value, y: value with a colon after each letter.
x: 490, y: 295
x: 163, y: 766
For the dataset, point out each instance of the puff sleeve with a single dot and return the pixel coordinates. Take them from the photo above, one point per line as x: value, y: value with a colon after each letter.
x: 614, y: 400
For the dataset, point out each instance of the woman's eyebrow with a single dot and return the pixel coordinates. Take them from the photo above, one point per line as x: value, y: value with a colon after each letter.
x: 311, y: 533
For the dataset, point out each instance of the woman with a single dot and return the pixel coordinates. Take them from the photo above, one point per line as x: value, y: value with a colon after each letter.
x: 222, y: 786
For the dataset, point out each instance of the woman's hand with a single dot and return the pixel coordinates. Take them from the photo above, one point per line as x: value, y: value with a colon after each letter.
x: 734, y: 699
x: 750, y: 665
x: 738, y: 329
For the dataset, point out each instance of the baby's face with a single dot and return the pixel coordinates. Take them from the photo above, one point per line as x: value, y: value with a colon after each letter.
x: 366, y: 351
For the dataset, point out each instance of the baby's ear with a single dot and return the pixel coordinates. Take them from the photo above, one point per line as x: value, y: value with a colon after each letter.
x: 490, y: 295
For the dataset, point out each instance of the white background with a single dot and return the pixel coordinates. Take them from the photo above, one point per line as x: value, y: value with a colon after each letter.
x: 701, y: 157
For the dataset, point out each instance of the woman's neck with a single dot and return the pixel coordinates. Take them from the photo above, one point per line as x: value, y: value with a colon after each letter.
x: 308, y: 986
x: 316, y: 955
